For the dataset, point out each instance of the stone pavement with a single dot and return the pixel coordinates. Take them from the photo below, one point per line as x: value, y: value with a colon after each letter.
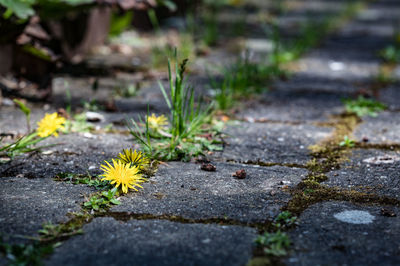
x: 347, y: 200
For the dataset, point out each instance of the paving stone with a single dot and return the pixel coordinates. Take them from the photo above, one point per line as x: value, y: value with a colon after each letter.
x: 182, y: 189
x: 76, y: 153
x: 391, y: 95
x: 370, y: 171
x: 382, y: 129
x: 340, y: 233
x: 295, y: 106
x: 153, y: 242
x: 12, y: 120
x: 303, y: 83
x: 26, y: 204
x: 271, y: 142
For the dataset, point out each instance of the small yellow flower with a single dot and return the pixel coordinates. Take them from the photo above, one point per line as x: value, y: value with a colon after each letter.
x: 157, y: 122
x: 136, y: 158
x: 126, y: 175
x: 49, y: 125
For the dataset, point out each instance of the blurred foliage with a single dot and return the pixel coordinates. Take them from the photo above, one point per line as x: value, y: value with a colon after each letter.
x: 23, y: 9
x: 119, y: 23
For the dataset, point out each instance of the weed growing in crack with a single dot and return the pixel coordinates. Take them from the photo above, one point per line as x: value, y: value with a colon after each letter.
x: 285, y: 220
x: 347, y: 142
x: 274, y: 244
x: 51, y: 232
x: 102, y: 201
x: 92, y: 181
x: 391, y: 54
x: 26, y: 254
x: 188, y: 132
x: 363, y: 106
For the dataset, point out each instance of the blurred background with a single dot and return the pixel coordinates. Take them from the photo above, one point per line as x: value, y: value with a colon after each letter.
x: 87, y: 53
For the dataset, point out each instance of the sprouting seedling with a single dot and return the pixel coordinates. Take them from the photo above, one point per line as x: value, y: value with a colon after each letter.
x: 27, y: 111
x: 347, y: 142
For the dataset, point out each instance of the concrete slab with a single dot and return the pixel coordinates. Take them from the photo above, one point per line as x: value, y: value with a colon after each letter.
x: 370, y: 171
x: 152, y: 242
x: 341, y: 233
x: 26, y: 204
x: 382, y: 129
x: 271, y: 142
x: 295, y: 104
x: 76, y: 153
x: 182, y: 189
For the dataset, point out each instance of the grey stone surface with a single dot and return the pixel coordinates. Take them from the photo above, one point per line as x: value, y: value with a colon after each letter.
x: 182, y: 189
x: 26, y: 204
x: 12, y: 120
x: 391, y: 95
x: 384, y: 128
x: 295, y: 105
x: 321, y: 239
x: 151, y: 242
x: 271, y: 142
x: 75, y: 153
x: 365, y: 172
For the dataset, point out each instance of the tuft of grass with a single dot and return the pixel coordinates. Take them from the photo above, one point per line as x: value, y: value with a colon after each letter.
x: 188, y: 121
x: 363, y: 106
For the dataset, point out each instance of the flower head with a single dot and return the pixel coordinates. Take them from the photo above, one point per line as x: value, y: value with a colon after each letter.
x: 126, y: 175
x: 49, y: 125
x: 156, y: 122
x: 136, y: 158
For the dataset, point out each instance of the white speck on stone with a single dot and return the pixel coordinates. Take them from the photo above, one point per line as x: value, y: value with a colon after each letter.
x: 336, y: 66
x: 281, y: 139
x: 355, y: 217
x: 386, y: 159
x: 92, y: 167
x: 206, y: 241
x: 88, y: 135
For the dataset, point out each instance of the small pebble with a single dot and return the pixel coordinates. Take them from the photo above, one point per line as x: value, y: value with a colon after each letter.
x: 240, y: 174
x: 208, y: 167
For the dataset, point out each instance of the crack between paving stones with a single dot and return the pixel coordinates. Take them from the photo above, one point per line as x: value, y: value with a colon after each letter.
x: 266, y: 164
x: 128, y: 216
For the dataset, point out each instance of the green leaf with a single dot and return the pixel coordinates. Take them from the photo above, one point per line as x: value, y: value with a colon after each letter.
x: 25, y: 109
x: 21, y: 8
x: 115, y: 201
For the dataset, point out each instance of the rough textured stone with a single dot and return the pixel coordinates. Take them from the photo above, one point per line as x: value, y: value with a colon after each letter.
x: 321, y: 239
x: 391, y: 95
x: 26, y: 204
x: 75, y: 153
x: 271, y: 142
x: 183, y: 189
x: 382, y: 129
x: 295, y: 105
x: 370, y: 171
x: 151, y: 242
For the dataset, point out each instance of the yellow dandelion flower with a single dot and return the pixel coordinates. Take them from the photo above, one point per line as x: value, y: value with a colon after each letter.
x: 126, y: 175
x: 156, y: 122
x: 136, y: 158
x: 49, y: 125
